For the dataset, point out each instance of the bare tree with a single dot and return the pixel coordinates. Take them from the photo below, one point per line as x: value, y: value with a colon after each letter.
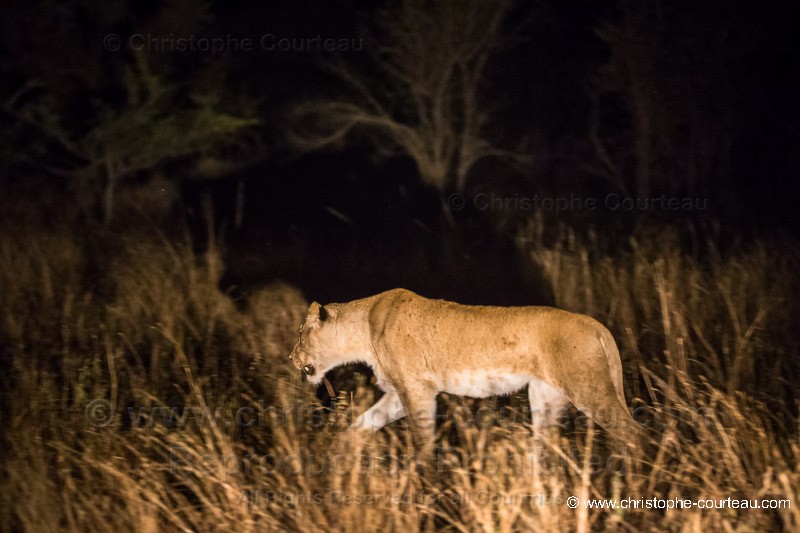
x: 137, y: 110
x: 420, y: 93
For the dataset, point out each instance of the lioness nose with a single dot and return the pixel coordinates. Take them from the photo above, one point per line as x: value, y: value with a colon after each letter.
x: 309, y: 370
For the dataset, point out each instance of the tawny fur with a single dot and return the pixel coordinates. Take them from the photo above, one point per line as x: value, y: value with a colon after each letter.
x: 419, y: 347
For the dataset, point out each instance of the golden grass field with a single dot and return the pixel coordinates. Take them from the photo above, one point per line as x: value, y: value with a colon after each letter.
x: 140, y: 397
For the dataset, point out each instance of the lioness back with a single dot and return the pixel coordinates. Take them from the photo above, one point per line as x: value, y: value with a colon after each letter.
x: 506, y: 339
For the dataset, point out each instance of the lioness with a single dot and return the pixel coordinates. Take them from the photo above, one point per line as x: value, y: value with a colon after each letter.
x: 419, y: 347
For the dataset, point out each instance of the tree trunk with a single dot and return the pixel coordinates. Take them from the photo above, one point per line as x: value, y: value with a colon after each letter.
x: 109, y: 190
x: 642, y: 142
x: 239, y: 212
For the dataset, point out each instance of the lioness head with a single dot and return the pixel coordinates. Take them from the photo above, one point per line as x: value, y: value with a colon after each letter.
x: 318, y: 348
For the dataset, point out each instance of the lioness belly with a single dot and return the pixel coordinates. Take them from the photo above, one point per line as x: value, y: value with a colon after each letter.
x: 483, y: 383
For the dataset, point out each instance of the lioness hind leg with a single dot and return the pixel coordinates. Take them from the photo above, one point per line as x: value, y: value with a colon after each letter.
x: 600, y: 402
x: 547, y: 404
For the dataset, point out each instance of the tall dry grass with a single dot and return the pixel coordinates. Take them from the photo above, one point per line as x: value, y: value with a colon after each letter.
x: 138, y: 396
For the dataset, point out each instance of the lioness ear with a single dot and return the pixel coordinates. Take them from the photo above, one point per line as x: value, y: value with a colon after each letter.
x: 312, y: 318
x: 316, y: 314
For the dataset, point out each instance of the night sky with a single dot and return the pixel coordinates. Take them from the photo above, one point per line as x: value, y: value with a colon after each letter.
x: 716, y: 84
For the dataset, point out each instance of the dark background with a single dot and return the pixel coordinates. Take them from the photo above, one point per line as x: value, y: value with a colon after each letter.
x: 342, y: 222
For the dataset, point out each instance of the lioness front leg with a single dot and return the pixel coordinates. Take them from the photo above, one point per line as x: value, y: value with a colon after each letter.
x: 420, y: 403
x: 385, y: 411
